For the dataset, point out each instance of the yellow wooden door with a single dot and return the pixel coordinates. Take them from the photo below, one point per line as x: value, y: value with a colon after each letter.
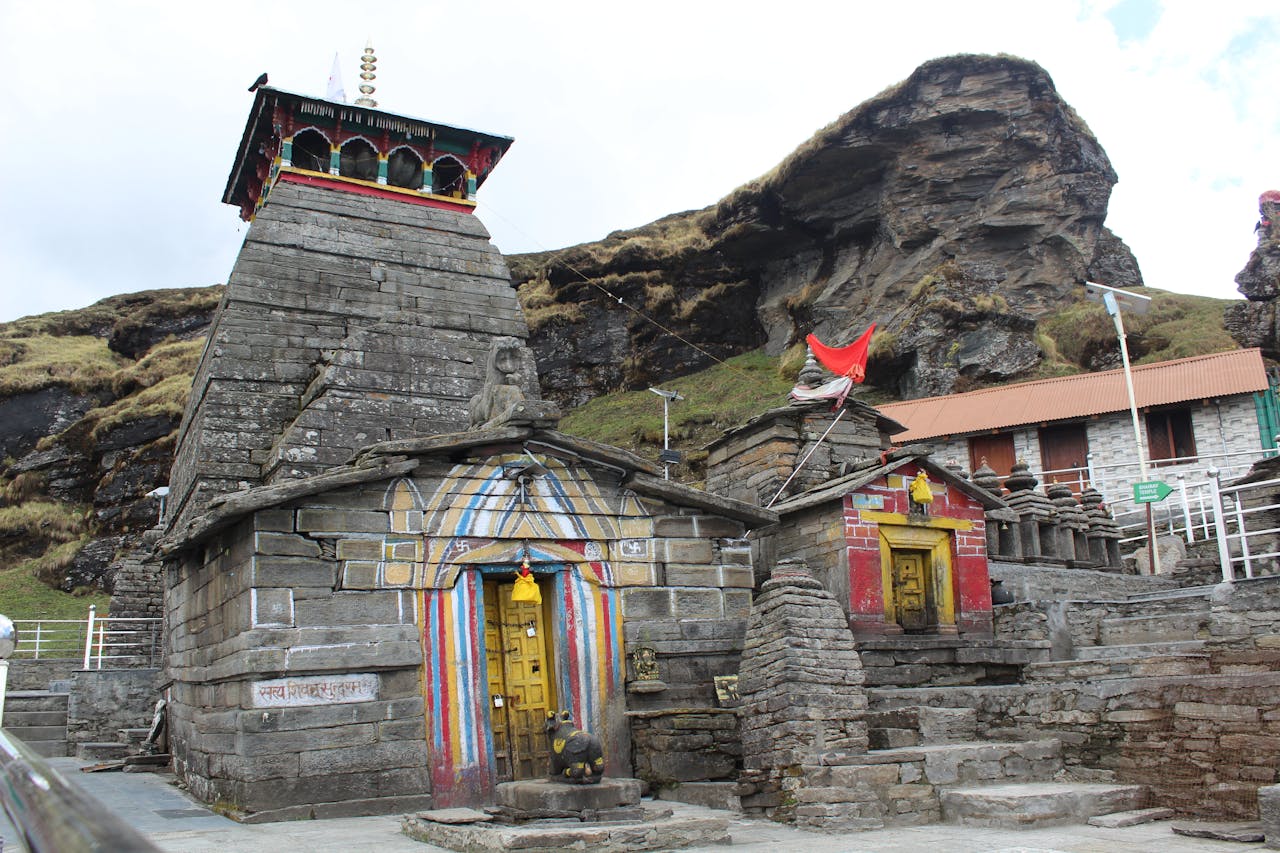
x: 911, y: 589
x: 519, y: 683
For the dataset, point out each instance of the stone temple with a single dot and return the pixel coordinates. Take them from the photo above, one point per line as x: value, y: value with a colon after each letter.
x: 365, y: 468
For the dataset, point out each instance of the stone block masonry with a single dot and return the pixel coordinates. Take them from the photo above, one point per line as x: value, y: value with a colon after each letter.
x: 347, y: 320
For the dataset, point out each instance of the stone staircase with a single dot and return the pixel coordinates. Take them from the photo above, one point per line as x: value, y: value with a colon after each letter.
x: 38, y: 718
x: 128, y: 743
x: 1151, y: 634
x: 927, y: 764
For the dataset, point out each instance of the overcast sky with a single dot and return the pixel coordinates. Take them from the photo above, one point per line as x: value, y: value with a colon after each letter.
x: 123, y: 117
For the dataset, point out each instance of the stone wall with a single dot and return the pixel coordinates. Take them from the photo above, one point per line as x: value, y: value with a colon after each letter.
x: 258, y: 604
x: 347, y: 320
x: 676, y: 745
x: 752, y: 462
x: 1030, y: 582
x: 1204, y: 744
x: 104, y: 701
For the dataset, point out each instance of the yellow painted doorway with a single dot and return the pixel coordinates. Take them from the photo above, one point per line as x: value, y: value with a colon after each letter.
x: 520, y: 682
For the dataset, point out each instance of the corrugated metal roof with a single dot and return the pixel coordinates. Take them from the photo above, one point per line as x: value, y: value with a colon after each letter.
x: 1199, y: 377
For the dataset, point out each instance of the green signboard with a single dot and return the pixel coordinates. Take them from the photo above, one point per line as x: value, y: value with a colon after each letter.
x: 1150, y: 492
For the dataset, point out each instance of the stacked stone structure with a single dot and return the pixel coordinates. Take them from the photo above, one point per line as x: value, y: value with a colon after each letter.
x: 347, y: 320
x: 802, y: 698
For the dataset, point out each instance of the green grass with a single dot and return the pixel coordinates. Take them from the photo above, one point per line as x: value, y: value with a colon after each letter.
x: 23, y: 596
x: 79, y: 362
x: 715, y: 399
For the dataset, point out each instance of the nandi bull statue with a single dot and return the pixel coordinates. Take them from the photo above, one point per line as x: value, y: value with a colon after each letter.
x: 576, y: 756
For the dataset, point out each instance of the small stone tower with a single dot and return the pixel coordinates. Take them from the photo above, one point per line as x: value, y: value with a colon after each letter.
x: 363, y: 305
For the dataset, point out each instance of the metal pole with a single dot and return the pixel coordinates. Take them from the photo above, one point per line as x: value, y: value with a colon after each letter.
x: 1244, y: 537
x: 88, y: 636
x: 666, y: 438
x: 783, y: 487
x: 1186, y: 508
x: 1113, y: 308
x: 1220, y: 525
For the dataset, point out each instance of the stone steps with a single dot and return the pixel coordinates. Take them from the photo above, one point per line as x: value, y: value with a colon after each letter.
x: 967, y: 763
x: 1154, y: 628
x: 1139, y: 650
x: 102, y: 751
x: 1038, y: 804
x: 38, y: 718
x: 1103, y: 669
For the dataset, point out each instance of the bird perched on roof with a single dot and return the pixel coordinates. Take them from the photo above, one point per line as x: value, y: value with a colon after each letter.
x: 261, y: 81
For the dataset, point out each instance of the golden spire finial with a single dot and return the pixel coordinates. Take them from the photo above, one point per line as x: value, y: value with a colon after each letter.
x: 368, y: 64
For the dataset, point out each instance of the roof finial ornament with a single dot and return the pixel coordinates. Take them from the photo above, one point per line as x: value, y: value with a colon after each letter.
x: 811, y: 374
x: 368, y: 64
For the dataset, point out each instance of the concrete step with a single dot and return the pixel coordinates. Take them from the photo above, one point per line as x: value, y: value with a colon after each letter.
x: 712, y: 795
x: 102, y: 751
x: 1033, y: 805
x: 977, y: 763
x: 27, y: 734
x: 1111, y: 668
x: 1154, y: 628
x: 35, y: 700
x: 132, y: 737
x: 1202, y: 591
x: 1139, y: 650
x: 18, y: 719
x: 48, y: 748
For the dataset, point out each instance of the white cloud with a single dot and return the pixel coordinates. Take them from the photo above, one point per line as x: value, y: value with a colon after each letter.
x: 119, y: 145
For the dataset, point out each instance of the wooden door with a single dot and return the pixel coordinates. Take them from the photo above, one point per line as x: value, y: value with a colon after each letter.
x: 996, y: 449
x: 1065, y: 447
x: 912, y: 594
x: 519, y: 683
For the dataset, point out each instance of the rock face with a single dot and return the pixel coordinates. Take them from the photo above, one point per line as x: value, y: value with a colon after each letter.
x: 1254, y: 323
x: 94, y: 444
x: 953, y: 210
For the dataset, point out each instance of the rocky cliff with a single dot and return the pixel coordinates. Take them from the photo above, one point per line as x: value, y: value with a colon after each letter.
x: 89, y: 403
x: 954, y: 210
x: 1255, y: 323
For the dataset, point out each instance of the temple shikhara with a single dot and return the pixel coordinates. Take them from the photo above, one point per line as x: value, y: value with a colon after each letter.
x: 392, y: 584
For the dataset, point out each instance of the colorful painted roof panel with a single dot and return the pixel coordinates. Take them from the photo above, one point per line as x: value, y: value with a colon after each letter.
x: 1199, y: 377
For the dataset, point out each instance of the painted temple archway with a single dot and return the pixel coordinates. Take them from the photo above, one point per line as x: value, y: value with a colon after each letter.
x: 480, y: 524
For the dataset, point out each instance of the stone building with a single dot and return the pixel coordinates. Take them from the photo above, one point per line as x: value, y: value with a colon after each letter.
x: 1197, y: 411
x: 364, y: 471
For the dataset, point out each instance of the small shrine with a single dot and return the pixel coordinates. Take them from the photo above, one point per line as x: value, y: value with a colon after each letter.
x: 292, y: 138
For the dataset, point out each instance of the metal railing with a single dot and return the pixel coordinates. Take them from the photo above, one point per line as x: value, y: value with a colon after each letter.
x: 100, y: 642
x: 49, y: 638
x: 121, y: 642
x: 1233, y: 508
x: 1189, y: 513
x: 54, y: 816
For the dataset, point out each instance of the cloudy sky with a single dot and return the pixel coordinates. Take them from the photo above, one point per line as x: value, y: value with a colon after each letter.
x: 123, y: 116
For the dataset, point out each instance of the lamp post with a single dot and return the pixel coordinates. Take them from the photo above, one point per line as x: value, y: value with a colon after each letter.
x: 8, y: 642
x: 1114, y: 299
x: 668, y: 397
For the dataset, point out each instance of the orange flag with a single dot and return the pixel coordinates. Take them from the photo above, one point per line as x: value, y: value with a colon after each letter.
x: 850, y: 361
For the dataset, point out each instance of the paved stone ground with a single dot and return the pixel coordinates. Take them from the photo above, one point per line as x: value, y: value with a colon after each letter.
x: 178, y: 825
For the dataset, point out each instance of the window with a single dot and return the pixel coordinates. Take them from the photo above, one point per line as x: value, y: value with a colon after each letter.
x: 449, y: 177
x: 404, y: 169
x: 311, y: 151
x: 358, y: 160
x: 1169, y: 435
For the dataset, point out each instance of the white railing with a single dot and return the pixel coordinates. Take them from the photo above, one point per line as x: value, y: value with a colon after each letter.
x: 100, y: 642
x: 1231, y: 520
x: 49, y: 638
x: 1188, y: 513
x: 121, y: 642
